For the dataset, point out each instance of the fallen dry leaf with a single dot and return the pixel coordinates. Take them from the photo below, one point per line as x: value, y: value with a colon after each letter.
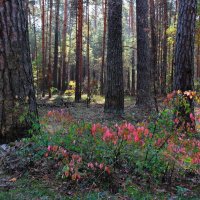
x: 13, y: 180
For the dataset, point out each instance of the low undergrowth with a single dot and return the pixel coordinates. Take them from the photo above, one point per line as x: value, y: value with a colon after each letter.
x: 161, y: 155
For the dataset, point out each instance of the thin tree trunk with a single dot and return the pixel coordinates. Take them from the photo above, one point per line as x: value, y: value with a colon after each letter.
x: 198, y: 52
x: 55, y: 67
x: 50, y: 56
x: 88, y: 50
x: 64, y: 65
x: 154, y: 67
x: 103, y: 48
x: 43, y: 48
x: 95, y: 20
x: 173, y: 59
x: 165, y: 49
x: 70, y: 47
x: 132, y: 26
x: 198, y: 61
x: 36, y: 48
x: 35, y: 35
x: 79, y: 58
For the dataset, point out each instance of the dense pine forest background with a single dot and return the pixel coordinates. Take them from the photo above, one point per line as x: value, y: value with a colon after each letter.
x: 54, y: 29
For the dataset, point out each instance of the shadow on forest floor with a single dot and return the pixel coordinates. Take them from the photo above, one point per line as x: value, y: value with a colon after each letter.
x: 95, y: 111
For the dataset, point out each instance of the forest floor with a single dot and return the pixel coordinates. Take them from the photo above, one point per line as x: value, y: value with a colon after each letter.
x: 35, y: 184
x: 94, y: 112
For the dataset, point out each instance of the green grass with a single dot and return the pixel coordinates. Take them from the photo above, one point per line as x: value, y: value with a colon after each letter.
x: 26, y: 189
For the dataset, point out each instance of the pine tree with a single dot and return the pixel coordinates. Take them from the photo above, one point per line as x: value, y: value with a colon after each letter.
x: 184, y: 55
x: 114, y: 100
x: 143, y: 54
x: 79, y: 53
x: 55, y: 66
x: 17, y: 95
x: 184, y: 51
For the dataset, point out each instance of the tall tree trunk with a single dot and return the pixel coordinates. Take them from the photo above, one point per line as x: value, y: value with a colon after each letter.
x: 88, y: 49
x: 160, y: 42
x: 79, y: 57
x: 103, y: 47
x: 35, y: 47
x: 60, y: 63
x: 70, y: 46
x: 55, y: 67
x: 143, y: 70
x: 17, y: 95
x: 95, y: 11
x: 164, y: 60
x: 132, y: 26
x: 114, y: 100
x: 154, y: 67
x: 173, y: 49
x: 35, y: 35
x: 184, y: 53
x: 64, y: 53
x: 43, y: 48
x: 198, y: 52
x: 198, y: 61
x: 50, y: 40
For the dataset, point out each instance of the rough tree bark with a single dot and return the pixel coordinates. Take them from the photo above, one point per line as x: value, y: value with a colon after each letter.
x: 173, y: 48
x: 154, y: 67
x: 79, y: 57
x: 64, y: 53
x: 132, y: 26
x: 35, y: 45
x: 114, y: 100
x: 103, y: 46
x: 143, y: 69
x: 55, y: 67
x: 43, y: 48
x: 184, y: 56
x: 184, y: 50
x: 17, y: 95
x: 165, y: 48
x: 50, y: 39
x: 88, y: 50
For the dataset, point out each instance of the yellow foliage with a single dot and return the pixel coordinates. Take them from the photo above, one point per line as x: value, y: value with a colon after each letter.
x: 71, y: 88
x: 69, y: 92
x: 72, y: 85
